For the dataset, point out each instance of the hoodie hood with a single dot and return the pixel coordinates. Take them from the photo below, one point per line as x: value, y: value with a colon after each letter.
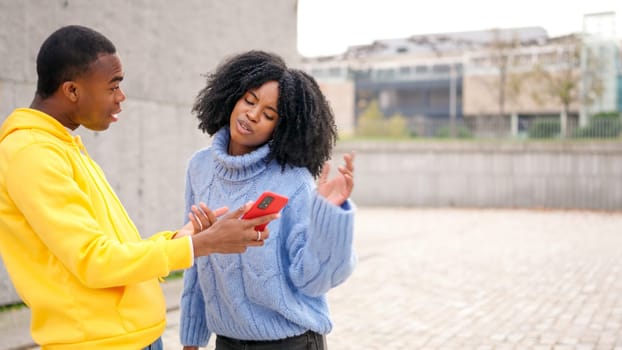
x: 22, y: 119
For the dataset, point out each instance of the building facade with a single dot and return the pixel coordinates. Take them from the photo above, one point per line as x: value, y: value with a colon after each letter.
x: 493, y: 83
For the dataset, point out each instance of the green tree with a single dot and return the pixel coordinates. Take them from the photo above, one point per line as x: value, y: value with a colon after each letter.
x: 561, y: 78
x: 371, y: 121
x: 508, y: 84
x: 546, y: 128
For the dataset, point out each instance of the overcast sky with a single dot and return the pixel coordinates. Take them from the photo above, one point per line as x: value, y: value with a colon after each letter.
x: 329, y: 26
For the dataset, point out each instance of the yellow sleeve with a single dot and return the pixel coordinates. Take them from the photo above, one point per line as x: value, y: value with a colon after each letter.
x: 41, y: 183
x: 175, y: 247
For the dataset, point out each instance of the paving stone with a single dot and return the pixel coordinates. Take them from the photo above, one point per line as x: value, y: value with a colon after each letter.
x: 471, y: 279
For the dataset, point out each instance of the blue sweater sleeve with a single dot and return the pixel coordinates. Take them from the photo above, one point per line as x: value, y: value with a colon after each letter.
x: 193, y: 326
x: 320, y: 246
x: 188, y: 196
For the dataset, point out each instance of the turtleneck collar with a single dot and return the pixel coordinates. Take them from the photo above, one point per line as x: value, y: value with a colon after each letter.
x: 237, y: 168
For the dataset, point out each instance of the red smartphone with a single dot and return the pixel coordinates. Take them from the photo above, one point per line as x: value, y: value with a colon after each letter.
x: 267, y: 203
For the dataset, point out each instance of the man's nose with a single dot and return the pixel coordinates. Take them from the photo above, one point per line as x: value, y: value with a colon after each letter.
x: 120, y: 95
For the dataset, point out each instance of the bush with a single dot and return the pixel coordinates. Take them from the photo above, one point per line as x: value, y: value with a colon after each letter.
x: 544, y: 128
x: 461, y: 132
x: 602, y: 125
x: 371, y: 122
x: 397, y: 127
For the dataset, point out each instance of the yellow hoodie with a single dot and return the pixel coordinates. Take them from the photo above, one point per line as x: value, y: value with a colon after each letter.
x: 73, y: 254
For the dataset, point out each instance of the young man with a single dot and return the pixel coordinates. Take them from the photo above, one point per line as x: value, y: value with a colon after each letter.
x: 73, y: 254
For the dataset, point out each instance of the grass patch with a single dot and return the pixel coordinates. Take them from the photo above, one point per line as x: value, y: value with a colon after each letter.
x: 11, y: 307
x: 174, y: 275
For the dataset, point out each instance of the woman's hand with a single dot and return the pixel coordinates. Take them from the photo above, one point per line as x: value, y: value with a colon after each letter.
x: 201, y: 218
x: 230, y: 234
x: 339, y: 188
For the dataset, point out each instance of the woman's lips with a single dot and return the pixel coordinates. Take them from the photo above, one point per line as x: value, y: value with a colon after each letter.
x: 244, y: 127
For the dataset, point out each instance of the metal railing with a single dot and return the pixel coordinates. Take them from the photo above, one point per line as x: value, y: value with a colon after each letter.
x: 525, y: 128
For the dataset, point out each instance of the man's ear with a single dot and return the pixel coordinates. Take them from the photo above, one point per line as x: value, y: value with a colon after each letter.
x: 70, y: 90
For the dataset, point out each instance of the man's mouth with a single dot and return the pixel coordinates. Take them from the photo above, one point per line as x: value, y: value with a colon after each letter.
x: 115, y: 115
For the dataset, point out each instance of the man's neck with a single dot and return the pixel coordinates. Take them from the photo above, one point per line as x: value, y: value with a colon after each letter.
x: 54, y: 108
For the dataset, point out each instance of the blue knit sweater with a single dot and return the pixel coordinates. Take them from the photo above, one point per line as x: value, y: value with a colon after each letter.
x: 270, y: 292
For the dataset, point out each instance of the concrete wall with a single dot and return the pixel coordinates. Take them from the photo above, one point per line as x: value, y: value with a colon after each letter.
x: 166, y: 47
x: 578, y: 175
x: 340, y: 96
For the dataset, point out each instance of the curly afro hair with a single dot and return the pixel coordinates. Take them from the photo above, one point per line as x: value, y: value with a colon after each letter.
x: 305, y: 133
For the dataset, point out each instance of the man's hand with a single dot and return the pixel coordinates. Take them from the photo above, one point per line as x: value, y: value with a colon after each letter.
x: 230, y: 234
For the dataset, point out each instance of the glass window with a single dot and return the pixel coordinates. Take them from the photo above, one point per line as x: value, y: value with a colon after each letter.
x: 421, y: 69
x: 440, y: 68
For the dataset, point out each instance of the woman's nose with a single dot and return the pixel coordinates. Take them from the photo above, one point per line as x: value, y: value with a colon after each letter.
x: 253, y: 113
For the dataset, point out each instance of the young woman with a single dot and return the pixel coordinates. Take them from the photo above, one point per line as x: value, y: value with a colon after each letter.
x: 273, y: 131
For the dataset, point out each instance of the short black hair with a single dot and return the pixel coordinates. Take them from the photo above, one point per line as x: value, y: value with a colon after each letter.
x: 305, y: 132
x: 66, y: 54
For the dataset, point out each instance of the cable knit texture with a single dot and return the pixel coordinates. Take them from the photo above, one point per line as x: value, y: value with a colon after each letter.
x: 270, y: 292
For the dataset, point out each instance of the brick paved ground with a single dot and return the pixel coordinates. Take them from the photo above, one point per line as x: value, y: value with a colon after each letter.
x: 477, y: 279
